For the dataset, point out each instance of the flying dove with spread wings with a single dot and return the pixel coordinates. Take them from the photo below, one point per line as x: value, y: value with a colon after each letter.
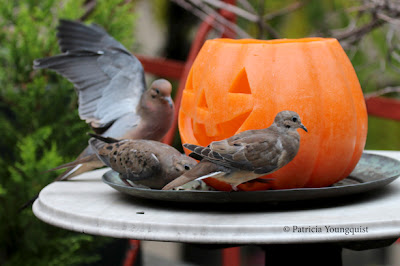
x: 247, y: 155
x: 111, y: 88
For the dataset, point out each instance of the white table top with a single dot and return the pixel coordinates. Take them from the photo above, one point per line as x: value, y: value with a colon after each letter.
x: 85, y: 204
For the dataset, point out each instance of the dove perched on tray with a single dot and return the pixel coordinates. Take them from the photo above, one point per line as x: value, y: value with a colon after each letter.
x: 247, y: 155
x: 111, y: 88
x: 144, y: 162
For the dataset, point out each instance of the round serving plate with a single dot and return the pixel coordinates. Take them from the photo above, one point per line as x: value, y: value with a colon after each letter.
x: 372, y: 172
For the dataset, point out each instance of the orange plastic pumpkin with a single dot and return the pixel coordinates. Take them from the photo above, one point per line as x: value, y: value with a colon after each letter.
x: 236, y: 85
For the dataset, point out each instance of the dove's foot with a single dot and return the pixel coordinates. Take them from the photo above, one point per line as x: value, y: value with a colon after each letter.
x: 234, y: 188
x: 126, y: 182
x: 195, y: 185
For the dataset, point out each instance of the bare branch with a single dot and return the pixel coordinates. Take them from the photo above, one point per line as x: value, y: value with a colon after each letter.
x: 271, y: 31
x: 229, y: 25
x: 234, y: 9
x: 396, y: 56
x: 388, y: 19
x: 356, y: 34
x: 361, y: 8
x: 381, y: 92
x: 392, y: 54
x: 199, y: 13
x: 350, y: 27
x: 246, y: 14
x: 90, y: 7
x: 260, y: 22
x: 246, y: 4
x: 264, y: 26
x: 288, y: 9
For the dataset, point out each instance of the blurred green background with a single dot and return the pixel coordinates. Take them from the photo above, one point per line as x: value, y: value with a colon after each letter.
x: 40, y: 126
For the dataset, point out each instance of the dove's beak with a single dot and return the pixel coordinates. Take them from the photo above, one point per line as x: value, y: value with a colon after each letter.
x: 303, y: 127
x: 169, y: 101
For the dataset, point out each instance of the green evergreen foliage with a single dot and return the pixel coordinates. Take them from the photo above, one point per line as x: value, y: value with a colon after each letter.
x: 40, y: 126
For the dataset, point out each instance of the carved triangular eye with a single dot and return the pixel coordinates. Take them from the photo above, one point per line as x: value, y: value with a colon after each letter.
x: 203, y: 101
x: 241, y: 83
x: 189, y: 81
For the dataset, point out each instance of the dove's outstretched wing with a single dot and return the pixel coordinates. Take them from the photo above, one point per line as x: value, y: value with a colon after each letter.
x: 108, y: 78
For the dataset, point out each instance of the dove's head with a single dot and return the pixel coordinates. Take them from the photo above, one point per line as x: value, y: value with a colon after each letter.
x: 289, y: 120
x: 160, y: 90
x: 183, y: 164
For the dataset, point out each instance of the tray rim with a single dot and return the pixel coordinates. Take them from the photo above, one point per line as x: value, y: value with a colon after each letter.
x: 365, y: 187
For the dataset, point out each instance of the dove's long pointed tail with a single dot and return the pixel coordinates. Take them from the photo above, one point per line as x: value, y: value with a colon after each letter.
x: 80, y: 168
x: 87, y: 160
x: 202, y: 169
x: 28, y: 203
x: 80, y: 165
x: 104, y: 139
x: 73, y: 164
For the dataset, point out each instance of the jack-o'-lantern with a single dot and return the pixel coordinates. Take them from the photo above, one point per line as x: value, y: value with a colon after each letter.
x: 236, y: 85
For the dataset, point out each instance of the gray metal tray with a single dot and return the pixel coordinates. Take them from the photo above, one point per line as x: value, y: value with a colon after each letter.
x: 372, y: 172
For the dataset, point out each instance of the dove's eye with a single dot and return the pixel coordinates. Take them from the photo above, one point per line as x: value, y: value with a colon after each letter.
x: 294, y: 119
x: 187, y: 167
x: 155, y: 92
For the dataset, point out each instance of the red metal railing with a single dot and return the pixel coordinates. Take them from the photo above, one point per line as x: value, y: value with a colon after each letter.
x: 383, y: 107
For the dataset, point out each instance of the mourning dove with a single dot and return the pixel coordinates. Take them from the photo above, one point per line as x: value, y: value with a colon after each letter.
x: 247, y: 155
x: 110, y: 84
x: 144, y: 162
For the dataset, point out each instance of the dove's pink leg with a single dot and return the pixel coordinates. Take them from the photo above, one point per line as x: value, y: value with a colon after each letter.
x: 126, y: 182
x: 234, y: 188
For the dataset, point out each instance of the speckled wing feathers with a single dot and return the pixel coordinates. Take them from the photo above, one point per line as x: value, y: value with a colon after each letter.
x: 128, y: 158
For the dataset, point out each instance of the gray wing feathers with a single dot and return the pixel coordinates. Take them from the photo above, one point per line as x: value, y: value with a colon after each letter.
x: 74, y: 35
x: 258, y: 154
x: 109, y: 80
x: 128, y: 81
x: 213, y: 156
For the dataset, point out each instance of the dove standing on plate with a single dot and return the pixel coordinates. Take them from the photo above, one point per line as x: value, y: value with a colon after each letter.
x: 247, y: 155
x: 144, y: 162
x: 111, y: 88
